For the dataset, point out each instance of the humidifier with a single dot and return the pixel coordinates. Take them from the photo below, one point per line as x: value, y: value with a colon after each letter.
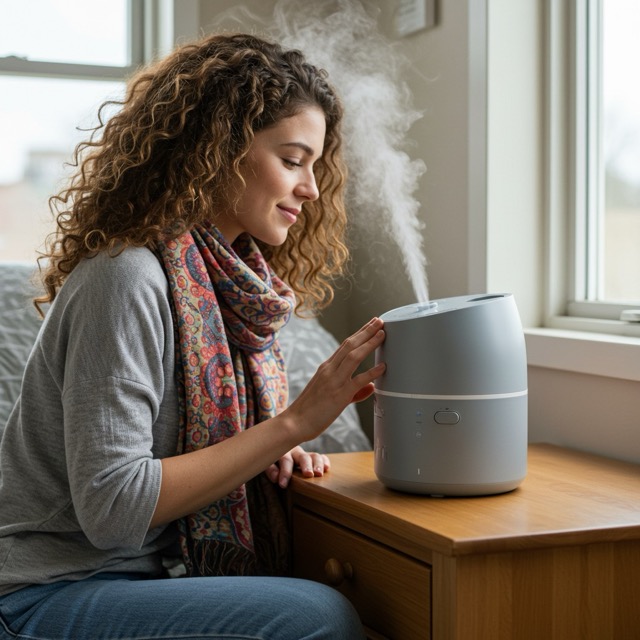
x: 450, y: 411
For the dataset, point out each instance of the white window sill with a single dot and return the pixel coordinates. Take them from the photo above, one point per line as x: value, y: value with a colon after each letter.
x: 598, y: 354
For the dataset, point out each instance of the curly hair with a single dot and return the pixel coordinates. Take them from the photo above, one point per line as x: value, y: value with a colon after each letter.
x: 167, y: 158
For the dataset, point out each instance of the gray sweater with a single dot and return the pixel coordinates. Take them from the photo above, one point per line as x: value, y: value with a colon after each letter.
x: 80, y: 455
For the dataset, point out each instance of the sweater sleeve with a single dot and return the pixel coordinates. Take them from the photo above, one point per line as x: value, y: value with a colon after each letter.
x: 110, y: 355
x: 114, y: 480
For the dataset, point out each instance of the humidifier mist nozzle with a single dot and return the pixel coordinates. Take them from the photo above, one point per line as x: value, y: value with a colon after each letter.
x: 410, y: 311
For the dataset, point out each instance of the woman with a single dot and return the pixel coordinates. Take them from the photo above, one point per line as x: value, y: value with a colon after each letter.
x: 155, y: 396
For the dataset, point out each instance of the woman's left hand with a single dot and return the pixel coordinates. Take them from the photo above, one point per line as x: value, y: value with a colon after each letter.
x: 310, y: 465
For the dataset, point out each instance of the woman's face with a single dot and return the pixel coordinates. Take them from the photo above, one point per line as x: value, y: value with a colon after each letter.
x: 278, y: 173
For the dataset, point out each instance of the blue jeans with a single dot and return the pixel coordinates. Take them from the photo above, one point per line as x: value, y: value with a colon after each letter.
x: 123, y: 607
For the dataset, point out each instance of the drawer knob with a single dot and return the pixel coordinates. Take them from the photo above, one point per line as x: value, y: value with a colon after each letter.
x: 337, y: 572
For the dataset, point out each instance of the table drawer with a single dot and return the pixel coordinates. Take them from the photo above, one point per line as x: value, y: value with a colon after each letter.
x: 391, y: 592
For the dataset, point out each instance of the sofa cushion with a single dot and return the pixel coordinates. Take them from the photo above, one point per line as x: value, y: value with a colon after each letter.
x: 19, y: 326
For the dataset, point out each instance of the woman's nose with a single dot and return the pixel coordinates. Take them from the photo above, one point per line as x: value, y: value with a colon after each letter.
x: 307, y: 188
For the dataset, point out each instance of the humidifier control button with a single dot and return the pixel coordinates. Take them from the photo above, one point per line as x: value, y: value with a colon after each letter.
x: 447, y: 417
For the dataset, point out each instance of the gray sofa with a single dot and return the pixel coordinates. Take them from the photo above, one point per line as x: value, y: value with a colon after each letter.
x: 305, y: 344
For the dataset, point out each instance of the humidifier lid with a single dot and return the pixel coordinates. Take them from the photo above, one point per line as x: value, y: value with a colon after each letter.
x: 434, y: 307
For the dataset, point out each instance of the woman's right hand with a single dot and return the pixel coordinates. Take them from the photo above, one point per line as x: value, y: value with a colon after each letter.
x: 335, y: 384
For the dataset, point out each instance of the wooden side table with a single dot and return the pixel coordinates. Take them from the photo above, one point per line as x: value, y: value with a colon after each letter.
x: 556, y: 559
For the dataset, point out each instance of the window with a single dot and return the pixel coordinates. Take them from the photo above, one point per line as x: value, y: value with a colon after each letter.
x: 59, y: 61
x: 603, y: 121
x: 620, y: 122
x: 593, y: 142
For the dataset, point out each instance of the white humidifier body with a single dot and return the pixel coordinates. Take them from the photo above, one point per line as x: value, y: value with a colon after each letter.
x: 450, y: 411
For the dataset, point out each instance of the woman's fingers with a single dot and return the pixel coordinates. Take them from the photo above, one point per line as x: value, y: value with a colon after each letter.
x: 357, y: 346
x: 363, y: 393
x: 285, y: 465
x: 273, y: 472
x: 368, y: 376
x: 310, y: 464
x: 336, y: 384
x: 352, y: 357
x: 349, y: 356
x: 336, y: 374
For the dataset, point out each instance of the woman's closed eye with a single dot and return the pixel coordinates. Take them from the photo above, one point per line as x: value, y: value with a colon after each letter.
x: 292, y: 163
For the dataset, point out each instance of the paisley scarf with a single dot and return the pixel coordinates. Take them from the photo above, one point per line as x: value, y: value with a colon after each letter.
x: 228, y: 308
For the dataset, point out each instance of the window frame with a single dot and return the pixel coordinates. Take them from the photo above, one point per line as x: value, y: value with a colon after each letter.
x: 155, y: 27
x: 574, y: 178
x: 138, y: 36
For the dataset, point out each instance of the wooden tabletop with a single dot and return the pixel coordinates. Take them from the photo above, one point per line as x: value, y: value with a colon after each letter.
x: 567, y: 498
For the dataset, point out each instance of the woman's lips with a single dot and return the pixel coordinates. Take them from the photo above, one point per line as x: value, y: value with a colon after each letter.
x: 289, y: 214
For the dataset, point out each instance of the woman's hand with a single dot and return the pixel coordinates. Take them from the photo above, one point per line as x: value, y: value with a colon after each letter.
x: 336, y: 384
x: 310, y: 465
